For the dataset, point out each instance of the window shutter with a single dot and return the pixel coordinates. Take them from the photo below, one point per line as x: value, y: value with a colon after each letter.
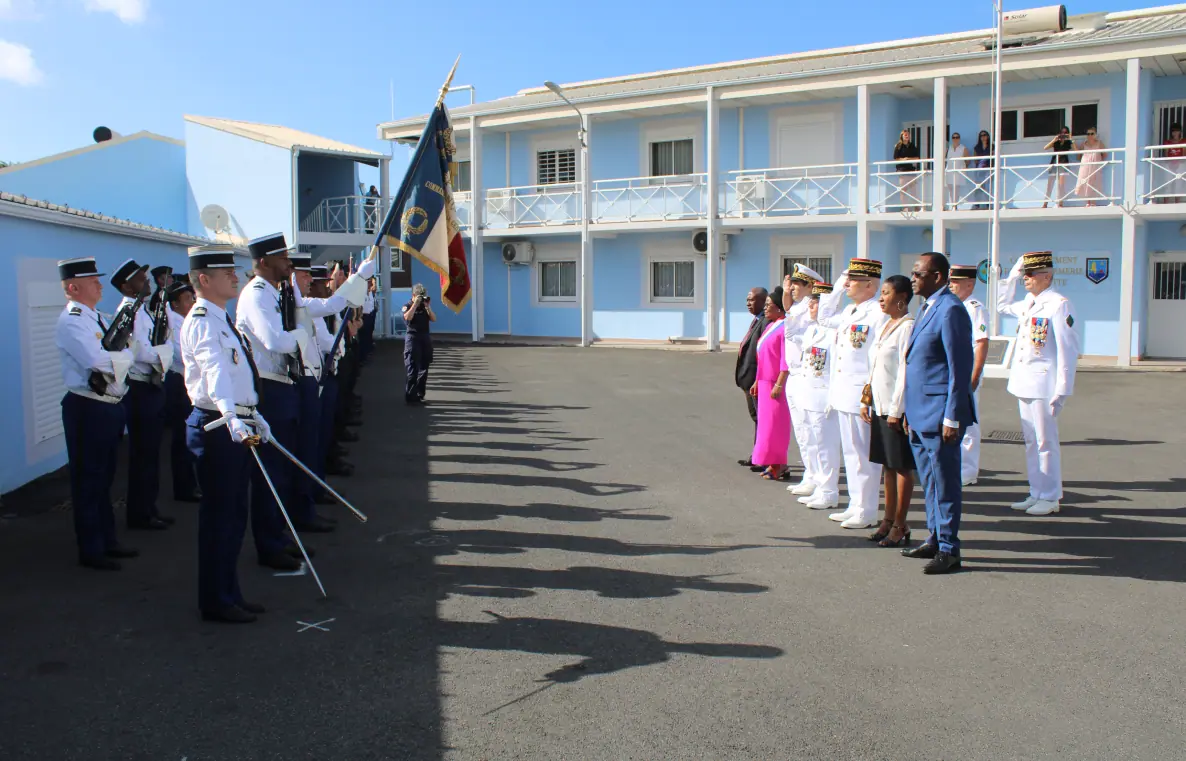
x: 45, y: 373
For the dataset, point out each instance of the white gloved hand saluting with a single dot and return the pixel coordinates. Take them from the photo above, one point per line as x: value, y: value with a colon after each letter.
x: 262, y: 428
x: 366, y: 269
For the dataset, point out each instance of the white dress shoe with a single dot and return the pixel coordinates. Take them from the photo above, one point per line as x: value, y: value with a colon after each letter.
x: 820, y: 503
x: 1024, y: 504
x: 971, y: 482
x: 859, y: 521
x: 840, y: 517
x: 1043, y: 507
x: 803, y: 489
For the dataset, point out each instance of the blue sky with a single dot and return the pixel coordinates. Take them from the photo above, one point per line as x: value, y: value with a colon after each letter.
x: 67, y: 66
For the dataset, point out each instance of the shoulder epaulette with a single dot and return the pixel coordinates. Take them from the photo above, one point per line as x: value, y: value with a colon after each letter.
x: 975, y: 303
x: 259, y: 286
x: 198, y: 311
x: 75, y: 311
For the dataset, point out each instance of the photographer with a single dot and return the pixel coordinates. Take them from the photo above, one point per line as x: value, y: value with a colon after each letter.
x: 417, y: 344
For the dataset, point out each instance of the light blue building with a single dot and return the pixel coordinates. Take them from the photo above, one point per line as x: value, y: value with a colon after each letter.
x: 706, y: 181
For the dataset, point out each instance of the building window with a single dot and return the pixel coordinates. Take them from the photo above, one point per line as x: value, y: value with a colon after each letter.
x: 1044, y: 122
x: 558, y: 281
x: 673, y: 280
x: 556, y: 167
x: 461, y: 183
x: 671, y: 157
x: 821, y: 264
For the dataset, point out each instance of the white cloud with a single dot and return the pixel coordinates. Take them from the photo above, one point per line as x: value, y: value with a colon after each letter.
x: 17, y: 64
x: 17, y: 10
x: 128, y: 11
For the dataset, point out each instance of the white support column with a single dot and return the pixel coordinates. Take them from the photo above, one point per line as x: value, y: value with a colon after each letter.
x: 939, y: 156
x: 383, y: 267
x: 862, y: 245
x: 1128, y: 235
x: 713, y: 259
x: 861, y: 206
x: 476, y: 269
x: 586, y: 274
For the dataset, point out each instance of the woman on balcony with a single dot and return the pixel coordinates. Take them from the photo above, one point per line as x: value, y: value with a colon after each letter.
x: 908, y: 188
x: 1091, y: 168
x: 982, y: 174
x: 957, y: 167
x: 774, y: 420
x: 1060, y: 164
x: 1171, y: 162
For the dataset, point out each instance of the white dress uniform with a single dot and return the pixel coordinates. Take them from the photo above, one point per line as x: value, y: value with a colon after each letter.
x: 78, y: 336
x: 175, y: 323
x: 1042, y: 377
x: 857, y: 327
x: 970, y: 446
x: 258, y: 319
x: 796, y: 323
x: 810, y: 387
x: 146, y: 361
x: 217, y: 373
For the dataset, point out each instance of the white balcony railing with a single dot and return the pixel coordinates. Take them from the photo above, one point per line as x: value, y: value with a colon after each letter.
x: 343, y: 214
x: 650, y: 199
x: 1165, y: 174
x: 1090, y: 178
x: 533, y: 206
x: 893, y: 190
x: 463, y: 201
x: 790, y: 191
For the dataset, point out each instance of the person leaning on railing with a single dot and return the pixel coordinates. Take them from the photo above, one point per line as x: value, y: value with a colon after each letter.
x: 982, y: 176
x: 904, y: 150
x: 1172, y: 161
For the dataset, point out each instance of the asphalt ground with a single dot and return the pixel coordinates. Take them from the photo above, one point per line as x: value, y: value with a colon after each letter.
x: 563, y: 561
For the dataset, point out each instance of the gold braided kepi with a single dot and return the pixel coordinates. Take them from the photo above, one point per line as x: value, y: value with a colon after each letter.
x: 800, y: 276
x: 864, y: 268
x: 1036, y: 261
x: 821, y: 288
x: 963, y: 271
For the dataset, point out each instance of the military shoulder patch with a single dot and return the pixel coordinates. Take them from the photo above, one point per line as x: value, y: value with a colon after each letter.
x: 259, y: 286
x: 198, y: 311
x: 1070, y: 321
x: 75, y: 311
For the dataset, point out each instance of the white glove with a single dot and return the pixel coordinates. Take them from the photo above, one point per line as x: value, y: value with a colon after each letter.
x: 301, y: 336
x: 828, y: 410
x: 238, y: 430
x: 1056, y: 405
x: 366, y: 269
x: 262, y: 428
x: 1016, y: 271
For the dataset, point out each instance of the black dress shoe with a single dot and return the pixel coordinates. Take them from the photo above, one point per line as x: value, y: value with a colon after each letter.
x: 152, y: 524
x: 295, y: 552
x: 339, y: 468
x: 98, y: 563
x: 328, y: 519
x: 347, y: 435
x: 323, y: 499
x: 252, y: 607
x: 316, y: 526
x: 168, y: 520
x: 231, y: 614
x: 194, y: 497
x: 924, y: 551
x: 944, y: 562
x: 280, y: 562
x: 119, y: 551
x: 757, y: 468
x: 746, y: 462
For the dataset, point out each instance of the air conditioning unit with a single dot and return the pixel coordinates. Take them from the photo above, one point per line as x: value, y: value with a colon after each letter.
x: 700, y: 243
x: 751, y: 192
x: 518, y: 252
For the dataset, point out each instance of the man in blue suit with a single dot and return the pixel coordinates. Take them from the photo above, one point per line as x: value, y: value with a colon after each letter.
x: 939, y: 407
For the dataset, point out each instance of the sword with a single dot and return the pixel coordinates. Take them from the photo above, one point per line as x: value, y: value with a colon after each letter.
x: 361, y: 516
x: 252, y: 444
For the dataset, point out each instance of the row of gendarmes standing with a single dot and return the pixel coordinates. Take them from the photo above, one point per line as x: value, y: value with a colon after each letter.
x: 199, y: 360
x: 914, y: 385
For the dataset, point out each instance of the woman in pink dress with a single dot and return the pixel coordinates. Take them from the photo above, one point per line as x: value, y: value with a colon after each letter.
x: 774, y: 417
x: 1091, y: 168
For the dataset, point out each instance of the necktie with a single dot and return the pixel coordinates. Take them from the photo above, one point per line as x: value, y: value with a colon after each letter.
x: 246, y: 353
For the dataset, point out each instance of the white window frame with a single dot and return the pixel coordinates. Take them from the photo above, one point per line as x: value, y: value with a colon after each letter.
x: 801, y: 246
x: 1101, y: 97
x: 673, y: 251
x: 666, y: 131
x: 552, y: 142
x: 791, y: 116
x: 555, y: 252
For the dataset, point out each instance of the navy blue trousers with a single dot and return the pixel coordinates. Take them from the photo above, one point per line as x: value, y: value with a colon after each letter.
x: 177, y: 409
x: 144, y: 406
x: 280, y: 405
x: 366, y: 335
x: 308, y: 440
x: 92, y: 430
x: 939, y: 470
x: 417, y: 358
x: 224, y: 471
x: 325, y: 437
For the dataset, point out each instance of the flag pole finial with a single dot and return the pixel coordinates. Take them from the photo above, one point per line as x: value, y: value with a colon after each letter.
x: 448, y: 81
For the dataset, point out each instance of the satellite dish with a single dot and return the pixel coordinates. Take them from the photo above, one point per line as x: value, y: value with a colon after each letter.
x: 216, y: 219
x: 102, y: 134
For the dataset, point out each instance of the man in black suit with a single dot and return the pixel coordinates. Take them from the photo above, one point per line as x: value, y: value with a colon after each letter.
x: 746, y: 372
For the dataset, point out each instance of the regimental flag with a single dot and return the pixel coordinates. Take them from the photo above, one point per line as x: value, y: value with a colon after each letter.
x: 422, y: 221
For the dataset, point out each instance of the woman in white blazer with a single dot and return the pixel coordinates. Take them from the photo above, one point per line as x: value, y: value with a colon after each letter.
x: 888, y: 445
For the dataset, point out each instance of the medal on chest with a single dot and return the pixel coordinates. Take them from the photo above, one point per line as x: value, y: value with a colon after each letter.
x: 234, y: 356
x: 817, y: 360
x: 1039, y: 330
x: 858, y: 335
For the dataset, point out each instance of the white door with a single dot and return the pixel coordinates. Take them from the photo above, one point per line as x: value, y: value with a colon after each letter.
x: 1167, y: 307
x: 808, y: 140
x: 922, y: 134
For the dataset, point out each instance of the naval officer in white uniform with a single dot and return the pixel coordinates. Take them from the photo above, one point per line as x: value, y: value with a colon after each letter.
x: 857, y: 327
x: 1042, y: 376
x: 796, y: 294
x: 810, y: 387
x: 963, y: 284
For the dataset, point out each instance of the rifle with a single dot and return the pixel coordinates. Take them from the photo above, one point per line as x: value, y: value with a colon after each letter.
x: 288, y: 322
x: 117, y: 338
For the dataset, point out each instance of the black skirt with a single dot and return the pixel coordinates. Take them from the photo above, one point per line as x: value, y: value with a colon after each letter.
x: 888, y: 447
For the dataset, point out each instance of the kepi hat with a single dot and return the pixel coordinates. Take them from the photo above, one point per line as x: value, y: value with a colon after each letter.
x: 819, y: 288
x: 68, y: 269
x: 124, y: 272
x: 268, y: 245
x: 864, y: 268
x: 1036, y: 261
x: 214, y: 256
x: 963, y: 271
